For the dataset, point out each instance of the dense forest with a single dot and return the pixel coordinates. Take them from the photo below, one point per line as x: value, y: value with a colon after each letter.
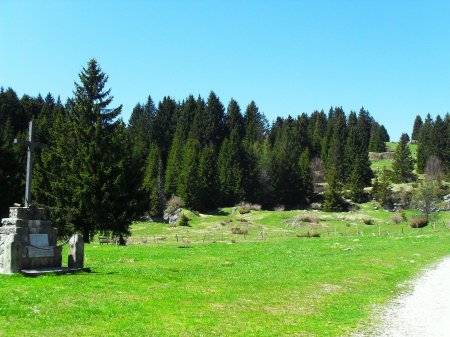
x: 98, y: 173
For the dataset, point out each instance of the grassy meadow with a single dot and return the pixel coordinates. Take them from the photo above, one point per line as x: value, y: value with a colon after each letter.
x: 205, y: 280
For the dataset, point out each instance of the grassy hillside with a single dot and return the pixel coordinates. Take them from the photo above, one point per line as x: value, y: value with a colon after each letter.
x: 387, y: 163
x: 205, y: 280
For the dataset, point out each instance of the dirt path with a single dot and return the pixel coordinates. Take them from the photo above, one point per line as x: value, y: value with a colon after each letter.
x: 425, y: 311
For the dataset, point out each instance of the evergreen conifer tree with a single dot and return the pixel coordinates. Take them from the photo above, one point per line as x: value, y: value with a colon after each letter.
x: 93, y: 186
x: 230, y: 171
x: 153, y: 181
x: 403, y: 164
x: 207, y: 178
x: 416, y: 128
x: 188, y: 187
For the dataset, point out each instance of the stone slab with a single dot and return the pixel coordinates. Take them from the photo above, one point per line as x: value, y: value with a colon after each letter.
x: 27, y: 213
x: 40, y: 252
x: 14, y: 222
x: 12, y: 230
x: 52, y: 270
x: 39, y: 240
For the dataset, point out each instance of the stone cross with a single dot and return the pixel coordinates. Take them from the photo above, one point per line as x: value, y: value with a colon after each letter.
x: 31, y: 145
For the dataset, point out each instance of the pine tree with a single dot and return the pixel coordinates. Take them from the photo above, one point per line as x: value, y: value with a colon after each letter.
x: 425, y: 146
x: 140, y: 127
x: 416, y: 128
x: 305, y: 175
x: 214, y: 127
x: 153, y: 182
x: 337, y: 146
x: 164, y: 126
x: 173, y: 166
x: 188, y: 187
x: 207, y: 178
x: 230, y: 171
x: 234, y: 119
x: 93, y: 186
x: 333, y: 199
x: 403, y: 164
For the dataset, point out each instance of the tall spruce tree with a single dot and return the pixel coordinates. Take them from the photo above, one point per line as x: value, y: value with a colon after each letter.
x: 416, y: 128
x: 403, y: 164
x: 425, y: 147
x: 207, y: 178
x: 153, y: 182
x: 230, y: 173
x: 188, y: 187
x: 93, y: 186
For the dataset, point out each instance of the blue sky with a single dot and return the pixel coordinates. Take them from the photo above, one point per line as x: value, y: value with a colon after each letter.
x: 392, y: 57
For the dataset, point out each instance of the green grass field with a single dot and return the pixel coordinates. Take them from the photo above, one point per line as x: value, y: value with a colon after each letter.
x: 204, y: 280
x: 387, y: 163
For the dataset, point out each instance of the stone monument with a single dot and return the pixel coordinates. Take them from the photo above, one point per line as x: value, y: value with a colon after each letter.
x: 28, y: 242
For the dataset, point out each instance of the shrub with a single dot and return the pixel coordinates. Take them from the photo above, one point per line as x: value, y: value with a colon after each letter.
x: 306, y: 218
x: 369, y: 222
x: 238, y: 230
x: 418, y: 221
x: 173, y: 204
x: 244, y: 210
x: 309, y: 235
x: 279, y: 208
x: 397, y: 219
x: 250, y: 206
x: 183, y: 221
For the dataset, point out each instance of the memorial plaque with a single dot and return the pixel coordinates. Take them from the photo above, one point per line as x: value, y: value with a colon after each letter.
x: 40, y: 252
x: 39, y: 240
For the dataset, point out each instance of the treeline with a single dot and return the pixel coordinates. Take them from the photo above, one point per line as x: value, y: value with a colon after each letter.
x: 98, y: 174
x: 433, y: 139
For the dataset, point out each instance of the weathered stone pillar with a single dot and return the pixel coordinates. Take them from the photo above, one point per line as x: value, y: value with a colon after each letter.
x: 76, y: 251
x: 14, y: 251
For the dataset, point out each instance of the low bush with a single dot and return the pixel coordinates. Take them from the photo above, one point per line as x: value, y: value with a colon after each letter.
x: 244, y: 210
x: 418, y: 221
x: 309, y: 235
x: 369, y: 222
x: 397, y: 219
x: 183, y: 221
x: 307, y: 218
x: 279, y: 208
x: 250, y: 206
x: 239, y: 230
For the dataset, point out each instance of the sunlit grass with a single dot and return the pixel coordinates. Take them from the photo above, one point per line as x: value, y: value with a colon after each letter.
x: 211, y: 281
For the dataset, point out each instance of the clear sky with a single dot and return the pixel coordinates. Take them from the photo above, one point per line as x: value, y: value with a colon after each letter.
x: 392, y: 57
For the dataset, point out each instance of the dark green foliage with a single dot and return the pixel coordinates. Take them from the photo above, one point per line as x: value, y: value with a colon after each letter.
x: 334, y: 202
x: 153, y: 182
x: 187, y: 186
x: 92, y: 185
x: 376, y: 142
x: 190, y: 148
x: 173, y: 165
x: 416, y: 128
x: 214, y: 127
x: 403, y: 164
x: 230, y: 173
x: 305, y: 176
x: 207, y: 179
x: 164, y: 126
x: 140, y: 128
x: 381, y: 190
x: 336, y: 150
x: 184, y: 220
x: 434, y: 140
x: 234, y: 119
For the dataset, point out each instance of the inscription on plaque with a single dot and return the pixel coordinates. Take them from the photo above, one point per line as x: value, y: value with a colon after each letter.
x: 39, y: 240
x: 40, y: 252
